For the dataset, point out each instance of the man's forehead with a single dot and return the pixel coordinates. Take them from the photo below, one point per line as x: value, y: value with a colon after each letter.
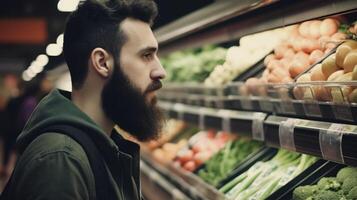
x: 138, y: 33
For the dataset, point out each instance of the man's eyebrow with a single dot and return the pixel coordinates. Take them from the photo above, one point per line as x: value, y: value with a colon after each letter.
x: 148, y: 49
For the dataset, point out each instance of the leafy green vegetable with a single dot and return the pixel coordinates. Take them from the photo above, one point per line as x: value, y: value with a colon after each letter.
x: 342, y: 187
x: 348, y: 184
x: 329, y: 183
x: 352, y: 194
x: 223, y: 162
x: 327, y: 195
x: 346, y: 172
x: 343, y: 28
x: 273, y: 174
x: 193, y: 65
x: 304, y: 192
x: 232, y: 183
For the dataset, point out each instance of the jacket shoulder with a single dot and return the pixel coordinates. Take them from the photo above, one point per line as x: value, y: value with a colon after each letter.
x: 48, y: 143
x: 54, y: 163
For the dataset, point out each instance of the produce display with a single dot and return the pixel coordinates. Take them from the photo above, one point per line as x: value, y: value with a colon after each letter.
x: 351, y: 30
x: 252, y: 49
x: 166, y: 153
x: 338, y: 67
x: 263, y: 178
x: 201, y: 148
x: 169, y: 131
x: 193, y: 65
x: 341, y: 187
x: 226, y: 160
x: 321, y: 50
x: 307, y: 43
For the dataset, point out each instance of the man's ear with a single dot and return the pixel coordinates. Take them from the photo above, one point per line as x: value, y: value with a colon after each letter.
x: 102, y: 62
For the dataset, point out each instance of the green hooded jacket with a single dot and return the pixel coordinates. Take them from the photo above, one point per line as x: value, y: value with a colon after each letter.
x: 54, y: 166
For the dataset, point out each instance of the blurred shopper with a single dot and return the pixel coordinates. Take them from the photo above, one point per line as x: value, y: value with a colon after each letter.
x: 4, y: 126
x: 18, y: 111
x: 69, y: 149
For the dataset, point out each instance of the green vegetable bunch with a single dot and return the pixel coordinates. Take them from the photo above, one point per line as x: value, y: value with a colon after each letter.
x: 341, y: 187
x: 193, y: 65
x: 271, y: 174
x: 223, y: 162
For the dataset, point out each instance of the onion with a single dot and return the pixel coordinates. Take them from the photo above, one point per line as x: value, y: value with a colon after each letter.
x: 314, y: 29
x: 309, y: 45
x: 338, y: 36
x: 297, y: 66
x: 304, y: 29
x: 328, y: 27
x: 315, y: 56
x: 280, y: 50
x: 323, y: 41
x: 268, y: 58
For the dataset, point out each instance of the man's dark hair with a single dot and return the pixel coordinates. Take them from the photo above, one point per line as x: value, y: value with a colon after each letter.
x: 96, y: 23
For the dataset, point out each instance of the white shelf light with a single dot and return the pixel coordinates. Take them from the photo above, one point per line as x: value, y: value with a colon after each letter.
x: 30, y: 72
x: 53, y: 49
x: 25, y: 76
x: 42, y: 59
x: 67, y: 5
x: 59, y: 40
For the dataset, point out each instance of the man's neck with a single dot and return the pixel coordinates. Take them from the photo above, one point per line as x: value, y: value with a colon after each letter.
x: 90, y: 104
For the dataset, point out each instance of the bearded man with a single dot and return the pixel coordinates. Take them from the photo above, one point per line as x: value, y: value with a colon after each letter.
x: 111, y: 53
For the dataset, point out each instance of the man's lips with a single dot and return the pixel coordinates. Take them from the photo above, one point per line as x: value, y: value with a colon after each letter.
x: 156, y: 85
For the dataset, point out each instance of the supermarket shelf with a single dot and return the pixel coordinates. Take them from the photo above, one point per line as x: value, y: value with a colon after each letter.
x: 153, y: 181
x: 278, y: 101
x: 178, y: 179
x: 325, y: 130
x: 330, y: 141
x: 228, y: 20
x: 191, y: 182
x: 205, y: 17
x: 326, y: 169
x: 209, y: 118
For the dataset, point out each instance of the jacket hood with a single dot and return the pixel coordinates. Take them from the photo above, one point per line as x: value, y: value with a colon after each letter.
x: 58, y: 109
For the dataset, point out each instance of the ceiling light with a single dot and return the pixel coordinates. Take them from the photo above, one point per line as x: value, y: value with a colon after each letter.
x: 67, y: 5
x: 37, y: 68
x: 42, y: 60
x: 60, y: 40
x: 25, y: 76
x: 34, y: 63
x: 53, y: 50
x: 30, y: 72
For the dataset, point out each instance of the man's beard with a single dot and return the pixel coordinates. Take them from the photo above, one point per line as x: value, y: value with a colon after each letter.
x: 127, y: 107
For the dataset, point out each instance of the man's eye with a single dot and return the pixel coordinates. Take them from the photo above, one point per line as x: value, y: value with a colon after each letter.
x: 147, y: 56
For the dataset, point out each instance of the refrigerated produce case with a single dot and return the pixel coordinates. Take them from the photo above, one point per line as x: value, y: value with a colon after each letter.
x: 273, y: 114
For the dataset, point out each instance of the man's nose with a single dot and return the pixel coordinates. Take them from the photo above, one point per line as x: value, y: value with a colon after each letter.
x: 159, y: 71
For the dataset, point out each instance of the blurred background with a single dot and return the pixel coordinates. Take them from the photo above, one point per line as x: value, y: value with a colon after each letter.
x: 32, y: 63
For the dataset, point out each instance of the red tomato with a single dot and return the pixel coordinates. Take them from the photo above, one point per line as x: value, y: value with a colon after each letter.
x: 190, y: 166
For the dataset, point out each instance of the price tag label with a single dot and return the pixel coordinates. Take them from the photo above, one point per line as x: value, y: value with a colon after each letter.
x: 201, y: 118
x: 246, y: 103
x: 179, y: 108
x: 219, y: 103
x: 226, y: 120
x: 331, y: 142
x: 190, y: 100
x: 288, y: 107
x: 153, y: 176
x: 209, y: 102
x: 342, y: 112
x: 286, y: 134
x: 312, y: 109
x: 266, y: 105
x: 177, y: 194
x: 258, y: 126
